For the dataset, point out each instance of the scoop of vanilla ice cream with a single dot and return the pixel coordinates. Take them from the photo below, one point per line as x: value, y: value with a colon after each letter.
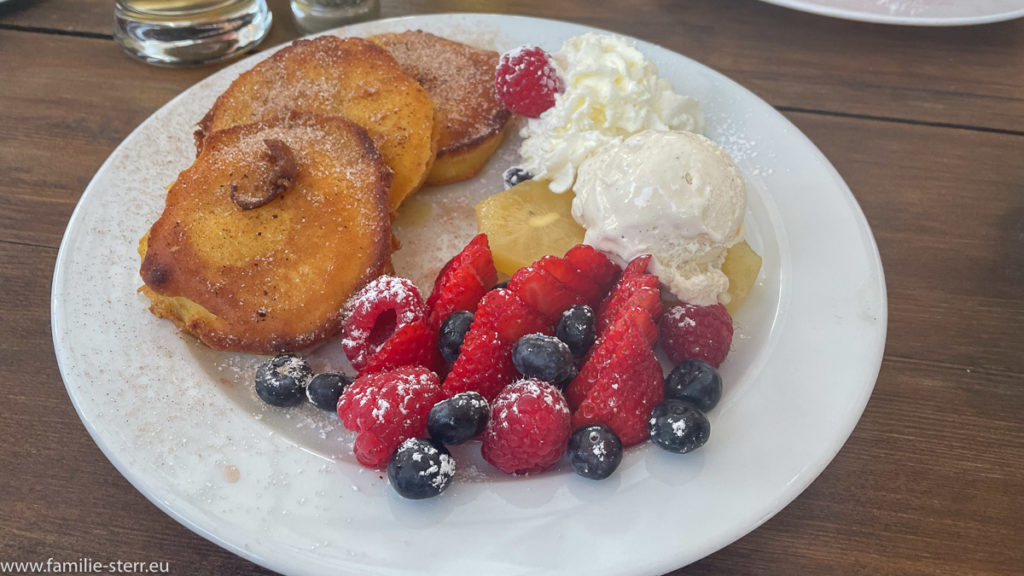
x: 611, y: 92
x: 675, y: 195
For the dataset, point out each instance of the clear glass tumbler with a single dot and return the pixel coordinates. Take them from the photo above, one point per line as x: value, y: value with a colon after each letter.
x: 319, y: 15
x: 187, y: 32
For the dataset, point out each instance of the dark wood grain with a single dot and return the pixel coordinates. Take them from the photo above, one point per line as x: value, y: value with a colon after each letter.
x: 814, y: 63
x: 925, y: 125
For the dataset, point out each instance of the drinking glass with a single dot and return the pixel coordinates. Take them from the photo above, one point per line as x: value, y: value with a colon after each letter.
x: 319, y: 15
x: 186, y: 32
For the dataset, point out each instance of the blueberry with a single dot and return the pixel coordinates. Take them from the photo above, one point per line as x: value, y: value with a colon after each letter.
x: 678, y: 426
x: 453, y: 332
x: 325, y: 389
x: 500, y: 285
x: 420, y: 468
x: 515, y: 175
x: 280, y: 380
x: 594, y: 451
x: 695, y: 381
x: 545, y: 358
x: 577, y: 328
x: 459, y: 418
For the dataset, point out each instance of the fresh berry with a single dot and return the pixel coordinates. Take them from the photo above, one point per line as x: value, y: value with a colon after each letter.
x: 526, y: 222
x: 529, y: 428
x: 594, y: 265
x: 543, y: 292
x: 622, y: 398
x: 500, y: 285
x: 635, y: 288
x: 453, y: 332
x: 526, y: 81
x: 695, y: 381
x: 678, y: 426
x: 324, y: 390
x: 629, y: 339
x: 462, y: 282
x: 459, y: 418
x: 567, y: 273
x: 386, y: 408
x: 621, y: 379
x: 515, y: 175
x: 703, y: 332
x: 484, y: 365
x: 420, y: 468
x: 577, y: 328
x: 414, y: 344
x: 280, y: 380
x: 594, y: 451
x: 544, y: 358
x: 376, y: 312
x: 507, y: 314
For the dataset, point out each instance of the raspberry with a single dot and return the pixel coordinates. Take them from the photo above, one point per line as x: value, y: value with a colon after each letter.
x: 529, y: 428
x: 462, y: 282
x: 484, y: 365
x: 526, y: 81
x: 414, y: 344
x: 386, y: 408
x: 379, y: 310
x: 702, y: 332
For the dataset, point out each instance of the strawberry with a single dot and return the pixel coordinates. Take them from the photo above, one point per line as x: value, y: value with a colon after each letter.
x: 376, y: 312
x: 414, y: 344
x: 386, y: 408
x: 594, y: 265
x: 567, y: 273
x: 529, y: 428
x: 462, y: 282
x: 543, y: 292
x: 630, y: 337
x: 484, y: 365
x: 636, y: 287
x: 702, y: 332
x: 623, y: 396
x: 504, y: 312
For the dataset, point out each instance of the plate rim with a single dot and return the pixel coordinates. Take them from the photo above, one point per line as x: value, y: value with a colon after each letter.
x: 851, y: 14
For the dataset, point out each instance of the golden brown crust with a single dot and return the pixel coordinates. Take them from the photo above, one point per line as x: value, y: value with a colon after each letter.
x: 348, y: 77
x: 274, y: 278
x: 460, y: 79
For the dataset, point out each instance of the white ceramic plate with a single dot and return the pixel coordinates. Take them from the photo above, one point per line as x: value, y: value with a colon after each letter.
x: 912, y: 12
x: 281, y: 487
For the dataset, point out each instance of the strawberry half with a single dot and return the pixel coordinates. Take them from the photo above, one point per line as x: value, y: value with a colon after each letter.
x: 623, y: 396
x: 543, y: 292
x: 594, y: 265
x: 567, y: 273
x: 462, y: 282
x: 632, y: 336
x: 635, y: 288
x: 484, y: 365
x: 504, y: 312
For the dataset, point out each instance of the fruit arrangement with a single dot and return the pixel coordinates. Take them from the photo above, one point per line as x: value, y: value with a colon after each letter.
x: 561, y: 360
x: 557, y: 362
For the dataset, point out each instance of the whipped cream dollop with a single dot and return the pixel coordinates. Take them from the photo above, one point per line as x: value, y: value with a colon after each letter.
x: 675, y: 195
x: 611, y: 91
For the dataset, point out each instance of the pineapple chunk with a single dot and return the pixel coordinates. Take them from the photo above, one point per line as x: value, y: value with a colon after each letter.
x: 526, y: 222
x: 741, y: 265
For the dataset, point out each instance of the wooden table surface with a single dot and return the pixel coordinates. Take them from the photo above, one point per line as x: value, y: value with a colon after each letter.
x: 925, y: 124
